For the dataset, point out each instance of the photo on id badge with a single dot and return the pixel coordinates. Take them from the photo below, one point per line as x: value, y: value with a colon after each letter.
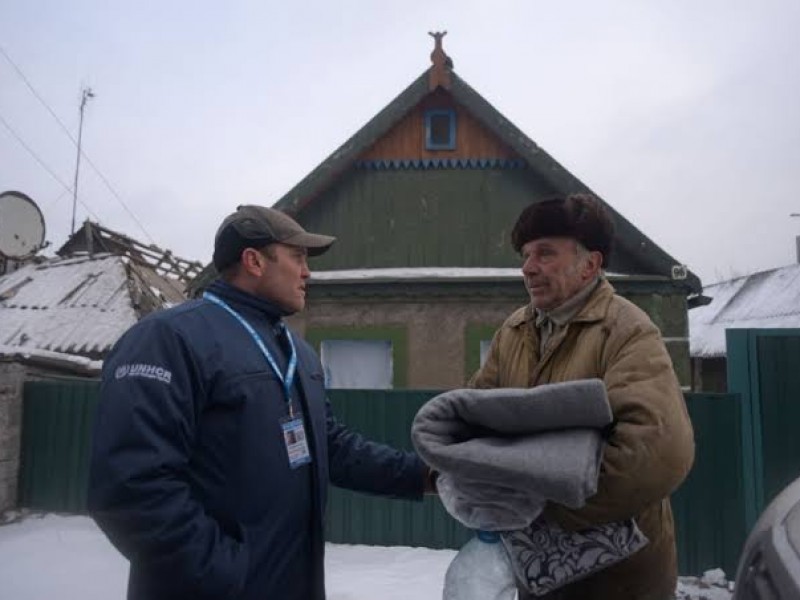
x: 294, y: 436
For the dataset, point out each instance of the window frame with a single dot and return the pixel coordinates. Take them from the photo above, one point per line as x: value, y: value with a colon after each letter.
x: 438, y: 112
x: 398, y: 336
x: 474, y: 333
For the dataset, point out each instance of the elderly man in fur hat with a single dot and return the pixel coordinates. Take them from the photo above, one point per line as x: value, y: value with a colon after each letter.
x: 576, y: 327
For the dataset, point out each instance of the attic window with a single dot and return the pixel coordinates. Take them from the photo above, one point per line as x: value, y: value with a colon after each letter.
x: 440, y: 129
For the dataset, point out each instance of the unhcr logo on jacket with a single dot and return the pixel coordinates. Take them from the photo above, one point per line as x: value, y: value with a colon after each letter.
x: 142, y: 370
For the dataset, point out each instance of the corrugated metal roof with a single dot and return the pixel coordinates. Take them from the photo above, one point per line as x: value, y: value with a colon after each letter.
x: 78, y: 305
x: 764, y: 300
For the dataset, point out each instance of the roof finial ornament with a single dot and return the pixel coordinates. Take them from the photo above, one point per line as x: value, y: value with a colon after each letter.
x: 439, y: 74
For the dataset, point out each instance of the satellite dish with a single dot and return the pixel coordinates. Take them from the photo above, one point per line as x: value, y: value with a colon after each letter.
x: 21, y: 226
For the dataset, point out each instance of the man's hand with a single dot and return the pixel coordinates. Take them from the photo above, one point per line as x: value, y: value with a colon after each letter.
x: 430, y: 481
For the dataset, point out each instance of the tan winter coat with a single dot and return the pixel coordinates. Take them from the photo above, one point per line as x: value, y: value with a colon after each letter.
x: 651, y: 449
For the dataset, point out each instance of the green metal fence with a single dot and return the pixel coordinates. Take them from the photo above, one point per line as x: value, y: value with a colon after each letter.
x: 709, y: 506
x: 57, y: 420
x: 779, y: 380
x: 709, y: 510
x: 386, y: 415
x: 763, y: 369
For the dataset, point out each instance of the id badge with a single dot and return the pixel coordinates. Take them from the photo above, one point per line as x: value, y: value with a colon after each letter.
x: 294, y: 436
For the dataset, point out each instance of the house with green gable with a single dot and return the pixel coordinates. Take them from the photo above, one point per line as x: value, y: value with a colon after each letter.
x: 422, y: 199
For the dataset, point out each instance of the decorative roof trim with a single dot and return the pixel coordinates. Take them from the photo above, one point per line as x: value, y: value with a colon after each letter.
x: 441, y: 163
x: 439, y: 73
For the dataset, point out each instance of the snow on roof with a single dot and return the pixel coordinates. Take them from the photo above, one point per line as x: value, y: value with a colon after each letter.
x: 69, y: 362
x: 415, y: 274
x: 420, y: 274
x: 765, y: 300
x: 77, y: 305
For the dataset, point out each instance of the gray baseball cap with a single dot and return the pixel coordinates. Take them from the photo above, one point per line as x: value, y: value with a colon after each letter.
x: 254, y: 226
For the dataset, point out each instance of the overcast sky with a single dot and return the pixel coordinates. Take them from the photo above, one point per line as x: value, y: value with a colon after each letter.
x: 682, y: 114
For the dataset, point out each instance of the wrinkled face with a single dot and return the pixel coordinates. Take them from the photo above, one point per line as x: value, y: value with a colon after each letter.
x: 555, y: 269
x: 281, y: 272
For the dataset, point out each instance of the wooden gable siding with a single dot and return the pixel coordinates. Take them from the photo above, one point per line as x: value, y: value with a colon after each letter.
x: 422, y: 218
x: 406, y: 140
x: 429, y: 218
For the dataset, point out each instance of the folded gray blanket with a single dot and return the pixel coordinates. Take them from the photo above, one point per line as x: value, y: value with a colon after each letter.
x: 503, y: 453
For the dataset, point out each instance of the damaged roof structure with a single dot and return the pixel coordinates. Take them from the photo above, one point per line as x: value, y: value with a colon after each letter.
x: 80, y: 302
x: 79, y: 305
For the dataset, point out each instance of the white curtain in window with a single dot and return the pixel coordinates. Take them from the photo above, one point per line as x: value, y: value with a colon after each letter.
x: 357, y: 364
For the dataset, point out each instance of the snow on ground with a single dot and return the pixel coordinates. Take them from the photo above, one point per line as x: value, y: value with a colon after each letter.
x: 50, y: 556
x: 390, y: 572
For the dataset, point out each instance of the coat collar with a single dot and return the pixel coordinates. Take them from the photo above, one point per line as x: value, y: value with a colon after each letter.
x: 246, y: 303
x: 594, y: 310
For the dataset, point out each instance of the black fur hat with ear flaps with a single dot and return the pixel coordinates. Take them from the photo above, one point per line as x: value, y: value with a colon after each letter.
x: 579, y: 216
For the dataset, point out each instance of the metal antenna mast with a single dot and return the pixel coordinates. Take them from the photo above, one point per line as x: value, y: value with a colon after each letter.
x: 85, y: 95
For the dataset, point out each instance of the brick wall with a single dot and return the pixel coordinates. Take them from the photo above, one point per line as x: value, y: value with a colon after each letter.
x: 12, y: 376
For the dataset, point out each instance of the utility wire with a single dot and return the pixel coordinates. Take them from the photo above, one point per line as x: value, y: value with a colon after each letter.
x: 42, y: 163
x: 75, y: 142
x: 63, y: 193
x: 34, y: 155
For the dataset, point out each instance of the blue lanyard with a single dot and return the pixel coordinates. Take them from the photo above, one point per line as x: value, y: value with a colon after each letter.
x: 288, y: 379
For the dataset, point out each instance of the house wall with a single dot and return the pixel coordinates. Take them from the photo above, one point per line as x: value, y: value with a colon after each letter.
x: 439, y: 328
x: 670, y: 314
x: 12, y: 377
x: 434, y: 334
x: 710, y: 375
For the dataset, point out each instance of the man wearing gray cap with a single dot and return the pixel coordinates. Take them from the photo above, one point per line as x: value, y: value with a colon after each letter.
x: 214, y: 441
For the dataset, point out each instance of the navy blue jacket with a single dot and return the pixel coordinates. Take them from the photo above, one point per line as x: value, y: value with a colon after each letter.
x: 189, y: 475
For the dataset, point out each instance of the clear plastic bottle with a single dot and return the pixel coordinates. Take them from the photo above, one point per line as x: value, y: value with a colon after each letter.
x: 480, y: 571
